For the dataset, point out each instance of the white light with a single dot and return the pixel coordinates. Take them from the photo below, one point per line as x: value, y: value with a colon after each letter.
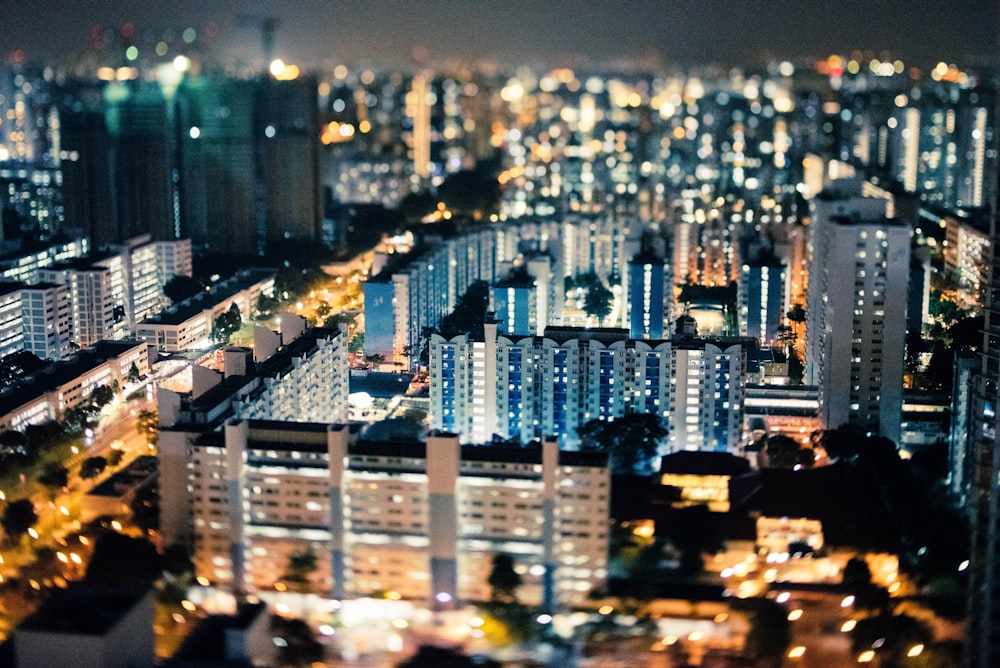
x: 443, y: 597
x: 277, y: 67
x: 847, y: 602
x: 195, y: 132
x: 962, y: 566
x: 544, y: 619
x: 182, y: 63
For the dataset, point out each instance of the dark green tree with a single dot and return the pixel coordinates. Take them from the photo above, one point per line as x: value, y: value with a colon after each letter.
x: 15, y: 366
x: 179, y: 288
x: 115, y: 456
x: 91, y: 467
x: 145, y: 507
x: 796, y: 314
x: 469, y: 314
x: 631, y: 441
x: 431, y: 656
x: 784, y: 452
x: 693, y: 531
x: 770, y: 632
x: 147, y: 423
x: 898, y: 634
x: 503, y: 579
x: 227, y: 324
x: 133, y: 374
x: 599, y: 298
x: 18, y: 517
x: 267, y: 307
x: 301, y: 566
x: 298, y: 646
x: 357, y: 343
x: 101, y: 396
x: 54, y: 477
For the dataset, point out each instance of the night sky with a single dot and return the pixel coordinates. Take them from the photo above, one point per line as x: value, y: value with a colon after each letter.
x: 327, y: 32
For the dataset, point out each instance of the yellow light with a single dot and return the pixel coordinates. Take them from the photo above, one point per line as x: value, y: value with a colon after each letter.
x: 364, y: 126
x: 280, y: 586
x: 797, y: 652
x: 188, y: 605
x: 916, y: 650
x: 605, y: 610
x: 848, y: 626
x: 393, y: 595
x: 866, y: 656
x: 794, y: 615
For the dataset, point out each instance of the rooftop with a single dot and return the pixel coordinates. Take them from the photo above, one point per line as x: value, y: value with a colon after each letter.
x: 84, y: 610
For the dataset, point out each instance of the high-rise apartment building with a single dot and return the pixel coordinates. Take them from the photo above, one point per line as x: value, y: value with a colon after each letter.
x: 761, y: 299
x: 982, y: 648
x: 530, y: 388
x: 856, y: 311
x: 45, y: 314
x: 650, y: 295
x: 419, y: 519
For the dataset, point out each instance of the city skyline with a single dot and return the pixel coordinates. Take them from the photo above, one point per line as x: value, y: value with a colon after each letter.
x: 677, y: 33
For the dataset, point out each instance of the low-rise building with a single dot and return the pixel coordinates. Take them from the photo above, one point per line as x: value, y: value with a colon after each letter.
x: 189, y: 323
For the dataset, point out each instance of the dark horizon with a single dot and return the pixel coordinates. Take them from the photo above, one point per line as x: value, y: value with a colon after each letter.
x: 683, y: 32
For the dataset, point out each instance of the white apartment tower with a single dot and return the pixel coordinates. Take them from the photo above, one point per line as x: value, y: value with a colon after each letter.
x: 421, y: 519
x: 45, y: 312
x: 856, y: 310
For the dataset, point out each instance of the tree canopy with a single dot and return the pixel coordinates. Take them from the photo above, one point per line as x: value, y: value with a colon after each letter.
x: 632, y: 441
x: 18, y: 517
x: 179, y: 288
x: 784, y: 452
x: 503, y: 579
x: 91, y: 467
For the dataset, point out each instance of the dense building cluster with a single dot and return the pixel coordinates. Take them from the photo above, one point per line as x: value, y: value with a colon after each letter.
x: 745, y: 254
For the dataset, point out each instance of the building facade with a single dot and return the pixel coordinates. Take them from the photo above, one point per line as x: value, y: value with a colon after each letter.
x: 526, y: 389
x: 419, y: 519
x: 856, y: 312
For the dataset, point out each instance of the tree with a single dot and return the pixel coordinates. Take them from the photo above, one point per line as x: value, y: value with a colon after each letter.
x: 796, y: 314
x: 770, y: 633
x: 101, y: 396
x: 115, y: 456
x: 431, y: 656
x: 631, y: 441
x: 145, y: 507
x: 375, y: 360
x: 123, y: 560
x: 301, y: 566
x: 469, y: 314
x: 54, y: 476
x: 503, y: 580
x: 91, y: 467
x: 78, y: 418
x: 693, y: 531
x: 298, y: 646
x: 784, y: 452
x: 18, y: 517
x: 227, y: 324
x: 599, y: 299
x: 15, y: 366
x: 357, y: 343
x: 267, y: 307
x: 179, y: 288
x: 323, y: 309
x: 133, y: 374
x: 898, y: 633
x: 147, y: 424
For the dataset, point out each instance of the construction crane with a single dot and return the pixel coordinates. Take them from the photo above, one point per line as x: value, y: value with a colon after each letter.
x: 267, y: 25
